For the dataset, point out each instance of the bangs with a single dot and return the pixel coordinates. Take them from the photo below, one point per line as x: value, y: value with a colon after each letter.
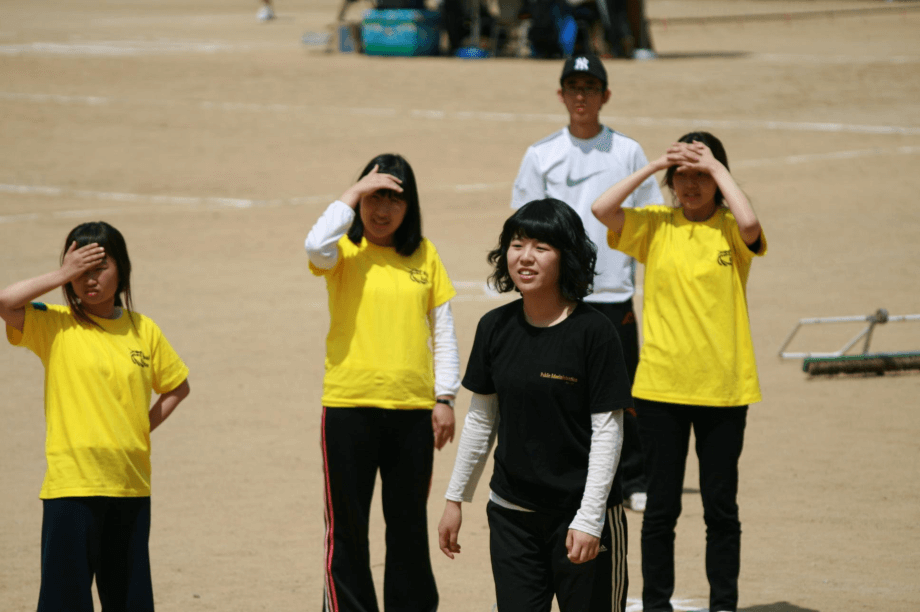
x: 537, y: 227
x: 391, y: 194
x: 90, y: 233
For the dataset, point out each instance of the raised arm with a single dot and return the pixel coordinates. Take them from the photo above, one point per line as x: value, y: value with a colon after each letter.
x: 748, y: 224
x: 14, y: 298
x: 322, y: 241
x: 608, y: 208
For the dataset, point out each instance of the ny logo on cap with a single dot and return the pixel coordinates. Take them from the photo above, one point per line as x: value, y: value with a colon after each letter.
x: 581, y: 63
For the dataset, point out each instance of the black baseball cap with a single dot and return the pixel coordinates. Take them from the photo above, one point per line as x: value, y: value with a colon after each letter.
x: 584, y: 64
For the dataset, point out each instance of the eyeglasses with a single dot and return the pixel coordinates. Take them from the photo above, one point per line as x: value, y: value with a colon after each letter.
x: 585, y: 91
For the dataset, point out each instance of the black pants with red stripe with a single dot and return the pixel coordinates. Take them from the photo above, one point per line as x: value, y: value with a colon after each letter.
x: 357, y: 442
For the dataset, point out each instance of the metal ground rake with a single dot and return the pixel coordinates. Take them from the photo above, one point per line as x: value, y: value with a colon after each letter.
x: 838, y: 362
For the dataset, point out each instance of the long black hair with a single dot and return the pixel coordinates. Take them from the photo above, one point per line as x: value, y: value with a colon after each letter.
x: 555, y: 223
x: 408, y: 235
x: 718, y: 151
x: 116, y: 251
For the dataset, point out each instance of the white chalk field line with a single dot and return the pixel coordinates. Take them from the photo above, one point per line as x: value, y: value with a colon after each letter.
x: 479, y: 116
x: 165, y: 46
x: 793, y: 160
x: 133, y: 48
x: 801, y: 58
x: 181, y: 203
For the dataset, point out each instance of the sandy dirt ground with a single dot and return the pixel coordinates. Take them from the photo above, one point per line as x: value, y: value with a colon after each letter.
x: 214, y: 141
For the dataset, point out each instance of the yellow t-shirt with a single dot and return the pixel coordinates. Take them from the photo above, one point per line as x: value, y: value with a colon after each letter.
x: 98, y: 386
x: 378, y: 351
x: 697, y: 346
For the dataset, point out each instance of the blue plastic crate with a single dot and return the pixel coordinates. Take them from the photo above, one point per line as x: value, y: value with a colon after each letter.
x: 400, y: 32
x: 349, y: 38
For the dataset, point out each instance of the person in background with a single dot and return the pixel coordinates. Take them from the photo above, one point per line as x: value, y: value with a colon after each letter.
x: 628, y: 32
x: 267, y: 12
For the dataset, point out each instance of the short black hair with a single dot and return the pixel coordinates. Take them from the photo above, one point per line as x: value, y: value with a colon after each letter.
x: 554, y: 222
x: 116, y: 250
x: 718, y: 151
x: 408, y: 236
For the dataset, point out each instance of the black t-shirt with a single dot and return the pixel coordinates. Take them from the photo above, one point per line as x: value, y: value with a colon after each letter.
x: 549, y: 381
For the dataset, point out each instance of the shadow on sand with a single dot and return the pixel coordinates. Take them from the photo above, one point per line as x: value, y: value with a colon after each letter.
x: 679, y: 55
x: 780, y: 606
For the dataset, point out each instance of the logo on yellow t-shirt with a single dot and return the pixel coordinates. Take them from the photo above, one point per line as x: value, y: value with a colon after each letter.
x: 725, y: 258
x: 140, y: 359
x: 419, y: 276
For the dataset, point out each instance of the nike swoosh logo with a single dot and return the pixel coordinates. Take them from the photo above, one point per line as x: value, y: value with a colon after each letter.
x: 570, y: 182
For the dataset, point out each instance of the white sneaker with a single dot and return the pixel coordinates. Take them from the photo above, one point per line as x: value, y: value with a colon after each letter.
x: 644, y: 54
x: 636, y: 502
x: 266, y: 13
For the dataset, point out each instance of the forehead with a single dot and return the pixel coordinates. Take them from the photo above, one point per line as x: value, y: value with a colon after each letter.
x: 387, y: 194
x: 520, y: 236
x: 582, y: 80
x: 682, y: 171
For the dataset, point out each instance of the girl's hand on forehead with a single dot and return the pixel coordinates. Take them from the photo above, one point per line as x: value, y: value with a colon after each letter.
x: 375, y: 181
x: 79, y: 260
x: 679, y: 154
x: 691, y: 156
x: 369, y: 183
x: 702, y: 157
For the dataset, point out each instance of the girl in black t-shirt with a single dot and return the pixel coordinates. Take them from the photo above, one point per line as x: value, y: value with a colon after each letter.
x: 548, y: 378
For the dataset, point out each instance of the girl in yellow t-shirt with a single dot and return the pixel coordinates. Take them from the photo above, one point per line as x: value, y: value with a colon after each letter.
x: 696, y: 367
x: 392, y: 372
x: 102, y: 362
